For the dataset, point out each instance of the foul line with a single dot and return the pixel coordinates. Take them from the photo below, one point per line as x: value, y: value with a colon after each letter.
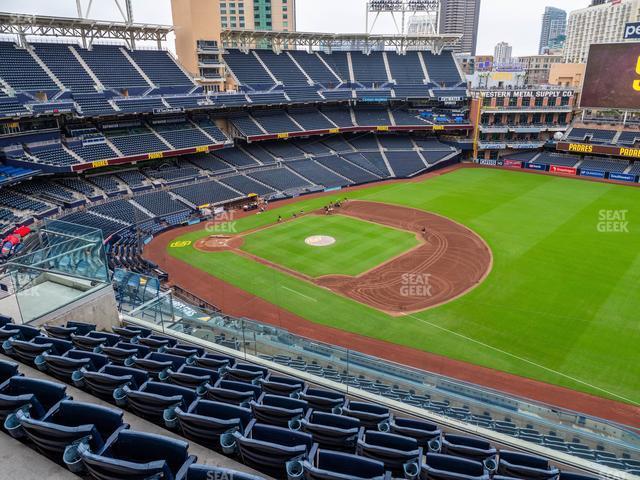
x: 523, y: 359
x: 301, y: 294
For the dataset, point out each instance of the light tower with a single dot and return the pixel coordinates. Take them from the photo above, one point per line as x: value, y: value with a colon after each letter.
x: 399, y: 10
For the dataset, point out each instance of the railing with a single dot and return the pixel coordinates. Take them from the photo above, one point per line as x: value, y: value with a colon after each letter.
x: 433, y: 393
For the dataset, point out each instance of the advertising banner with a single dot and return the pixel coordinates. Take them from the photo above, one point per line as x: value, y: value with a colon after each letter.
x: 536, y: 166
x: 586, y: 172
x: 563, y: 170
x: 622, y: 177
x: 512, y: 163
x: 488, y: 161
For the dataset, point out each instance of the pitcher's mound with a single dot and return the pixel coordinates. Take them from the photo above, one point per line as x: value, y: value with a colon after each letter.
x: 320, y: 241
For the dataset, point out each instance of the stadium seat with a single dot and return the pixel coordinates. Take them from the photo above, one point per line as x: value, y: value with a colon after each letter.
x: 123, y: 353
x: 462, y: 446
x: 27, y: 352
x: 213, y: 361
x: 135, y: 455
x: 69, y: 422
x: 328, y: 465
x: 72, y: 364
x: 422, y: 431
x: 158, y: 364
x: 193, y: 377
x: 393, y: 450
x: 130, y: 333
x: 7, y: 370
x: 243, y: 372
x: 156, y: 401
x: 267, y: 448
x: 17, y: 332
x: 279, y: 385
x: 94, y: 341
x: 522, y: 465
x: 110, y: 378
x: 278, y: 410
x: 236, y: 393
x: 35, y: 397
x: 205, y: 421
x: 157, y: 342
x: 370, y: 414
x: 322, y: 400
x: 446, y: 467
x: 330, y: 431
x: 64, y: 332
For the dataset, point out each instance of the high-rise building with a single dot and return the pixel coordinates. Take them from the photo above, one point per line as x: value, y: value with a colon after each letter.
x: 538, y: 68
x: 600, y: 22
x: 198, y: 24
x: 554, y: 26
x: 461, y: 17
x: 502, y: 53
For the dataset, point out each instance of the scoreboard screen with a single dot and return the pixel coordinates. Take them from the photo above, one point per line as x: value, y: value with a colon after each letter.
x: 612, y: 77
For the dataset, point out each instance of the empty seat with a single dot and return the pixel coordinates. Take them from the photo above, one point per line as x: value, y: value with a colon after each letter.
x: 278, y: 410
x: 278, y: 385
x: 33, y: 396
x: 64, y: 332
x: 182, y: 350
x: 211, y: 361
x: 243, y: 372
x: 67, y: 366
x: 422, y: 431
x: 193, y: 377
x: 157, y: 401
x: 393, y: 450
x: 69, y: 422
x: 205, y: 421
x: 158, y: 364
x: 137, y: 456
x: 106, y: 381
x: 322, y: 400
x: 17, y: 332
x: 236, y: 393
x: 462, y: 446
x: 268, y: 448
x: 334, y: 432
x: 369, y: 414
x: 209, y: 472
x: 328, y: 465
x: 522, y: 465
x: 123, y: 353
x: 27, y: 352
x: 94, y: 341
x: 447, y: 467
x: 7, y: 370
x: 157, y: 342
x: 129, y: 332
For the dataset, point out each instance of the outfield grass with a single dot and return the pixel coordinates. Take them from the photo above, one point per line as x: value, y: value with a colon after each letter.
x: 560, y: 305
x: 360, y: 245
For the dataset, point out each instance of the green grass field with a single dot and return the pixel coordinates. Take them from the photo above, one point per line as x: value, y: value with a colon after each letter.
x: 560, y: 305
x: 360, y: 245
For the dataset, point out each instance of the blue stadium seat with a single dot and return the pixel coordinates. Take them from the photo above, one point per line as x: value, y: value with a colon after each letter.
x: 214, y: 361
x: 70, y: 422
x: 328, y: 465
x: 421, y: 430
x: 64, y: 332
x: 463, y: 446
x: 246, y: 372
x: 17, y: 332
x: 27, y: 352
x: 156, y: 401
x: 71, y: 364
x: 137, y: 456
x: 36, y: 397
x: 7, y: 370
x: 209, y: 472
x: 267, y: 448
x: 522, y: 465
x: 193, y: 377
x: 205, y: 421
x: 235, y: 393
x: 323, y: 400
x: 447, y: 467
x: 330, y: 431
x: 158, y: 364
x: 94, y: 341
x: 111, y: 378
x: 370, y: 414
x: 395, y: 451
x: 279, y: 385
x: 122, y: 353
x: 277, y: 410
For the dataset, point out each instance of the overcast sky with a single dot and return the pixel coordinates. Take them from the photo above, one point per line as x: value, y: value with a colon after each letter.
x: 513, y: 21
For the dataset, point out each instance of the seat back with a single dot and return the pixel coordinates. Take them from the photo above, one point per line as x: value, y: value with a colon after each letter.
x: 391, y: 449
x: 322, y: 400
x: 334, y: 432
x: 422, y: 431
x: 205, y: 421
x: 329, y: 465
x: 236, y: 393
x: 277, y: 410
x: 41, y: 395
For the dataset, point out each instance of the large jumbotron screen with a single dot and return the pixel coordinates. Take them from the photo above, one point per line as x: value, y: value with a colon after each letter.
x: 612, y: 79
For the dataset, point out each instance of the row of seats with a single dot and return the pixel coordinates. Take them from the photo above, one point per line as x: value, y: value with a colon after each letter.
x: 273, y: 423
x: 259, y: 68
